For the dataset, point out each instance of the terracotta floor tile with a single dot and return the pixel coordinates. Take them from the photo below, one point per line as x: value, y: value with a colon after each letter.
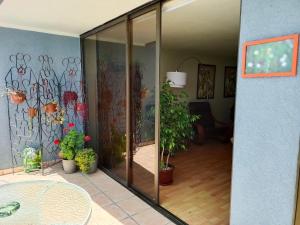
x: 150, y: 217
x: 116, y: 212
x: 118, y: 193
x: 101, y: 199
x: 133, y: 205
x: 128, y: 221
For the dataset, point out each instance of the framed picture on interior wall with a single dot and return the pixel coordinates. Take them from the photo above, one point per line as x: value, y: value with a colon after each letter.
x: 270, y: 57
x: 206, y: 81
x: 229, y: 81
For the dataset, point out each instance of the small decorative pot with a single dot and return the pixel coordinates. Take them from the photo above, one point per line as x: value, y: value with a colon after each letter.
x: 17, y: 97
x: 69, y: 166
x: 32, y: 112
x: 50, y: 107
x: 166, y: 176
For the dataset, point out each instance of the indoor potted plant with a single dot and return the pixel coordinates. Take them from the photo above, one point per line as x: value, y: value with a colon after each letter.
x: 87, y: 160
x: 176, y: 129
x: 71, y: 143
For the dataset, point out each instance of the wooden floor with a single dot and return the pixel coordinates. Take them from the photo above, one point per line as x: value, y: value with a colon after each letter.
x: 200, y: 194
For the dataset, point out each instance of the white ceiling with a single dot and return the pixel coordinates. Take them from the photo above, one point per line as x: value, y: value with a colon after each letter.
x: 65, y: 17
x: 206, y: 26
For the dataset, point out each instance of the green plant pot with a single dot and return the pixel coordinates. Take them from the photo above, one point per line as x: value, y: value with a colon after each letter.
x: 94, y: 166
x: 69, y: 166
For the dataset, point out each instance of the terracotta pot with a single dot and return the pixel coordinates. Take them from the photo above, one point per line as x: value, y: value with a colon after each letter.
x: 50, y: 107
x: 166, y: 176
x: 17, y: 97
x: 32, y: 112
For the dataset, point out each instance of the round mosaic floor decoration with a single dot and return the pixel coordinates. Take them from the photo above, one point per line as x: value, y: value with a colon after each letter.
x: 44, y: 203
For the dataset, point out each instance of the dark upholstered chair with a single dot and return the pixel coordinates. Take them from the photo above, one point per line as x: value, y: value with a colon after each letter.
x: 207, y: 126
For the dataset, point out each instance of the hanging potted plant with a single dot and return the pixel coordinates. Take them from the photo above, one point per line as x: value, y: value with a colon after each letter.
x: 51, y: 107
x: 32, y: 112
x: 70, y: 96
x: 17, y: 97
x: 81, y: 107
x: 176, y: 129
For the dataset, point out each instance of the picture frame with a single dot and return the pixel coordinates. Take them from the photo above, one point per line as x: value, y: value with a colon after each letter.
x: 230, y: 75
x: 206, y: 81
x: 271, y: 57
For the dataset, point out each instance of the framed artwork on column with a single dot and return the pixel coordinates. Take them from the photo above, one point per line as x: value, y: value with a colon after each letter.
x: 271, y: 57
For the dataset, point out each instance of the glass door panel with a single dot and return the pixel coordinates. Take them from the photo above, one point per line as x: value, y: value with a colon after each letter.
x: 143, y: 78
x: 111, y: 63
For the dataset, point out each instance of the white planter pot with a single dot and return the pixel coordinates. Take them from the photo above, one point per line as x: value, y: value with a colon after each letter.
x: 69, y: 166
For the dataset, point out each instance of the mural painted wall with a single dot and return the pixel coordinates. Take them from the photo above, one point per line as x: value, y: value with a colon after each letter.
x: 267, y: 125
x: 47, y: 68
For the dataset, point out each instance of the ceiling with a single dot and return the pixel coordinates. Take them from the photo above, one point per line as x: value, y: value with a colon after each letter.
x: 206, y: 26
x: 64, y: 17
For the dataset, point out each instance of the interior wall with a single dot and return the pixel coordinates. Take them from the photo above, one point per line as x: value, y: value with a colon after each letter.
x: 171, y: 59
x: 12, y: 42
x: 267, y: 125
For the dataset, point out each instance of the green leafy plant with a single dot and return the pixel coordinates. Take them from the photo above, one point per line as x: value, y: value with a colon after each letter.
x: 85, y: 158
x: 31, y: 159
x: 175, y: 121
x: 71, y: 143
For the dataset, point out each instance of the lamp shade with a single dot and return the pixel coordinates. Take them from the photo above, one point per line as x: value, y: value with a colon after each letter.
x: 177, y: 79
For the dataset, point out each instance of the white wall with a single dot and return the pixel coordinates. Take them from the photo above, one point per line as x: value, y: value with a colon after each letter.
x: 170, y: 60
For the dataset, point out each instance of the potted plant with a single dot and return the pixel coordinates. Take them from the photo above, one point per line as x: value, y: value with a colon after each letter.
x: 31, y: 159
x: 71, y: 143
x: 70, y: 96
x: 50, y: 107
x: 32, y: 112
x: 87, y: 160
x: 176, y: 129
x: 17, y: 97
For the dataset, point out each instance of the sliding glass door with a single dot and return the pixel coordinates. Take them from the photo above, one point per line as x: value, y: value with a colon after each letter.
x: 111, y: 63
x: 121, y: 60
x: 143, y: 91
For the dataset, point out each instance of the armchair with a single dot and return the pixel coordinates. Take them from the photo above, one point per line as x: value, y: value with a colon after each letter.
x: 207, y: 127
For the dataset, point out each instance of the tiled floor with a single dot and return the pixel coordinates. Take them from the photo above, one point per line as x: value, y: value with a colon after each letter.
x: 112, y: 203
